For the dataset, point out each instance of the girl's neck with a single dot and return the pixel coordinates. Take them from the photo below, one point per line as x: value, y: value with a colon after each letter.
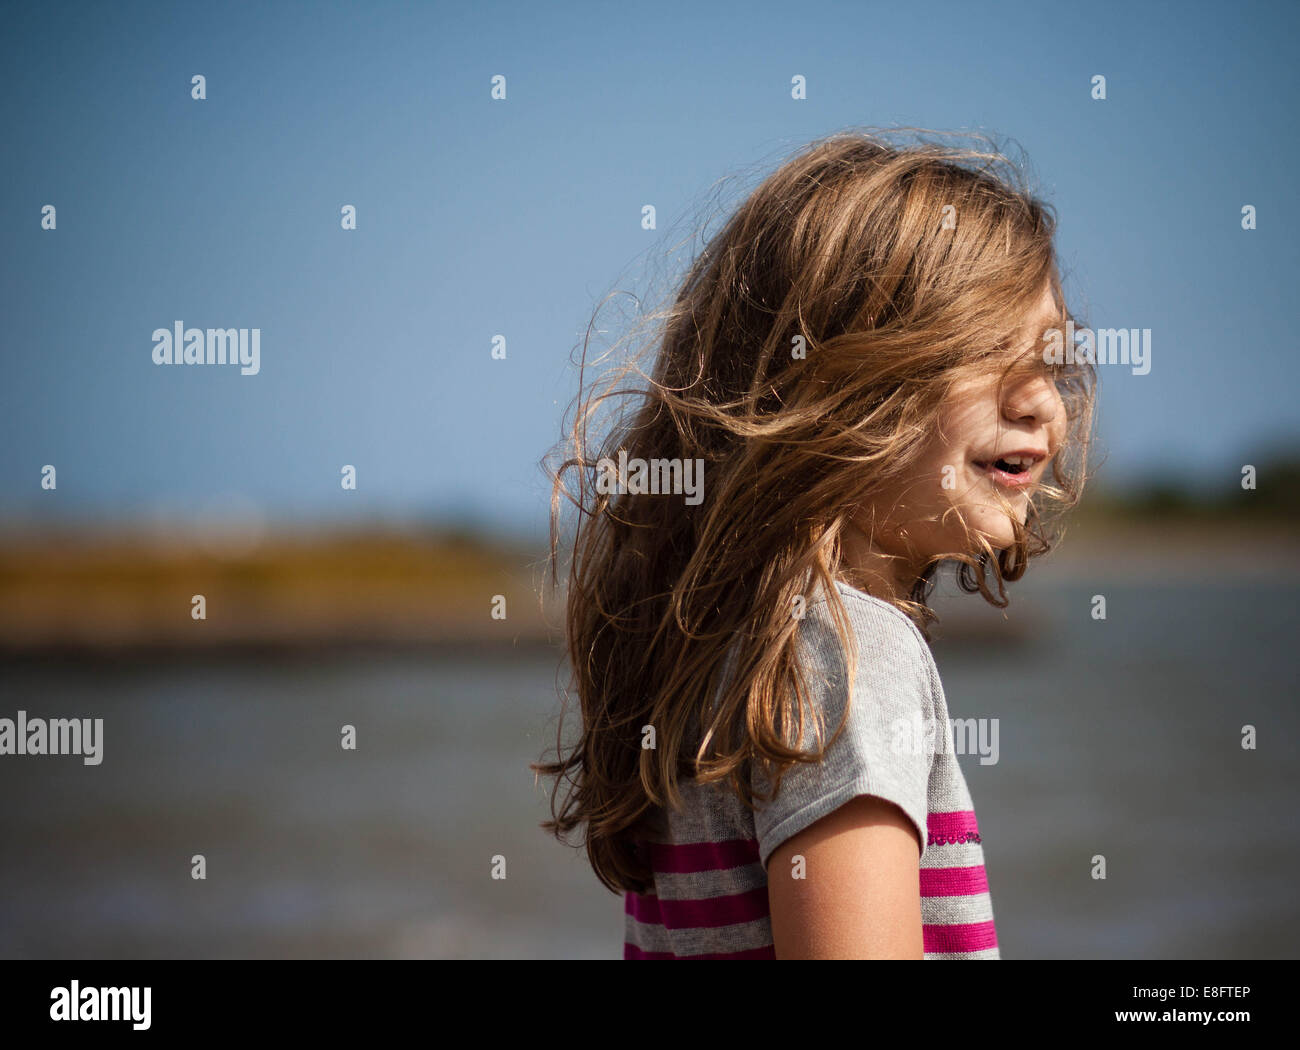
x: 868, y: 568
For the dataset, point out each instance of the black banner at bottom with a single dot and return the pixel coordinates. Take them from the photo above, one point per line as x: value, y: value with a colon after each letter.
x: 143, y: 1000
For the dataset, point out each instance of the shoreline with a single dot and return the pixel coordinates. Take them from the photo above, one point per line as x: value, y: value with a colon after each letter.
x: 122, y: 598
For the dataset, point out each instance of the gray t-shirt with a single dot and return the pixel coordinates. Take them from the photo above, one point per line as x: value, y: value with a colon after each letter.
x: 710, y: 858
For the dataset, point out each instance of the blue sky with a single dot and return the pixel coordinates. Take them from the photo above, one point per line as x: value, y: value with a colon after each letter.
x: 478, y: 217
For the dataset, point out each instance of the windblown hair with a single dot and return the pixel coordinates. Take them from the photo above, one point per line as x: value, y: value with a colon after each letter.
x: 897, y: 270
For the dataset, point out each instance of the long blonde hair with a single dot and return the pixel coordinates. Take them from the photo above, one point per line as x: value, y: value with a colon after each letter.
x: 849, y: 252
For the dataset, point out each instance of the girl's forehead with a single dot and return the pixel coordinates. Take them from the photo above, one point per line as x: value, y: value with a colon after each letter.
x: 1046, y: 312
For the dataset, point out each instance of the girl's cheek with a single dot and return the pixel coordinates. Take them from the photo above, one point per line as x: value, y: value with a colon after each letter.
x: 1059, y: 427
x: 1059, y: 420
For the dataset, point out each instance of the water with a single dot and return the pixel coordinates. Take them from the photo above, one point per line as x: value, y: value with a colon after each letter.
x: 1122, y: 738
x: 1118, y: 738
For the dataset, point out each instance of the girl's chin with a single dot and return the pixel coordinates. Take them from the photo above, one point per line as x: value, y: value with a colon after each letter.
x: 996, y: 528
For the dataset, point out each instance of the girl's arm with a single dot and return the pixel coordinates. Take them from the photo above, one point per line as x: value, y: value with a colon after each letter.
x: 860, y: 897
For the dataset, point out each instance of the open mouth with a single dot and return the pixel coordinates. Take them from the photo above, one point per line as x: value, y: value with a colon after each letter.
x: 1014, y: 470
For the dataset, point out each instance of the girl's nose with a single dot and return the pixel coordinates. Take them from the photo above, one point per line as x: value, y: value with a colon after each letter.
x: 1034, y: 400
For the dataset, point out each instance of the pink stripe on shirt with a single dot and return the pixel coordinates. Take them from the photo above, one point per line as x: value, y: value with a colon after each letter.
x: 953, y: 882
x: 955, y: 825
x: 958, y: 821
x: 689, y: 857
x: 959, y: 937
x: 694, y: 914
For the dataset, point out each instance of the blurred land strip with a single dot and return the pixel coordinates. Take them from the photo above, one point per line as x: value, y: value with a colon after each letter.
x: 130, y: 590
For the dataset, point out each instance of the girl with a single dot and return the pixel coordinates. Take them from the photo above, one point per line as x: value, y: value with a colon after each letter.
x: 854, y: 368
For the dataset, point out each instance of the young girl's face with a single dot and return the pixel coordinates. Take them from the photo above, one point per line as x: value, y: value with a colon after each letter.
x: 995, y: 440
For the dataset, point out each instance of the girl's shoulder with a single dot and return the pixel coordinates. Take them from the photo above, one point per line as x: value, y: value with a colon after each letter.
x: 874, y: 617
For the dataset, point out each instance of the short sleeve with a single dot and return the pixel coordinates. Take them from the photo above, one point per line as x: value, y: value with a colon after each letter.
x: 886, y: 746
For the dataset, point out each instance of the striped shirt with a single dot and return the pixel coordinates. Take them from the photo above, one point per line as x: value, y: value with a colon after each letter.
x: 710, y: 857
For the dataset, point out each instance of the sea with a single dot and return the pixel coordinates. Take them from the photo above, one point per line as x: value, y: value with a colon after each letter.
x: 1143, y: 803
